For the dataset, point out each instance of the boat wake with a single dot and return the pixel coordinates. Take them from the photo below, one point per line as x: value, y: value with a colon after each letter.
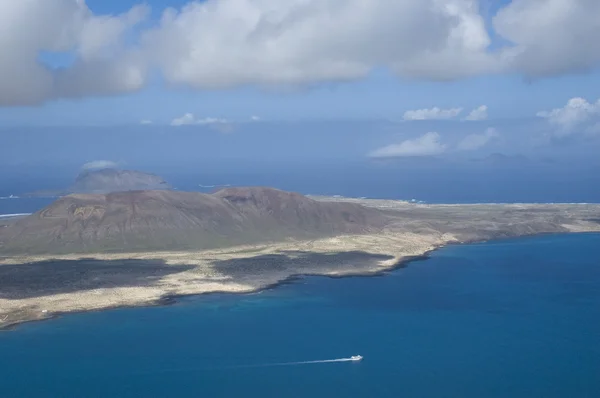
x: 355, y: 358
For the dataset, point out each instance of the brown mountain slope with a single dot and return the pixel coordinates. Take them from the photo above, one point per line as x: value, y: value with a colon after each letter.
x: 170, y: 220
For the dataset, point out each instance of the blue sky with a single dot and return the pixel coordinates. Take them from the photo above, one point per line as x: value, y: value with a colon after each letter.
x: 120, y: 6
x: 533, y: 65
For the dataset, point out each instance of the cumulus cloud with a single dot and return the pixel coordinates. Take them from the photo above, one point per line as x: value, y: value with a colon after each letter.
x: 228, y: 43
x: 102, y: 64
x: 190, y: 119
x: 549, y: 37
x: 100, y: 164
x: 184, y: 120
x: 576, y: 112
x: 478, y: 113
x: 225, y: 43
x: 476, y: 141
x: 434, y: 113
x: 426, y: 145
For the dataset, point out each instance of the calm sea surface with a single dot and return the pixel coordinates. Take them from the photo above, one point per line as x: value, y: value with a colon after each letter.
x: 514, y: 318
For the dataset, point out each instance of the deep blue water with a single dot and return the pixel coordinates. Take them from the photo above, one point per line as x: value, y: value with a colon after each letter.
x: 514, y: 318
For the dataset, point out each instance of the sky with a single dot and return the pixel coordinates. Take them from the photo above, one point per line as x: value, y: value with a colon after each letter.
x: 445, y: 77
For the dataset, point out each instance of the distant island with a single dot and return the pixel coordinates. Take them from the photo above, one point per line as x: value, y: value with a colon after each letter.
x: 106, y: 180
x: 139, y: 247
x: 114, y: 180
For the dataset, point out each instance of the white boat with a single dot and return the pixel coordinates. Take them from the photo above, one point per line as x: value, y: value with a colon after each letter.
x: 356, y: 357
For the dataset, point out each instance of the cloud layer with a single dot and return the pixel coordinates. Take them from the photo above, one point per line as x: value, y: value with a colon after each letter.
x: 480, y: 113
x: 431, y: 144
x: 476, y: 141
x: 190, y: 119
x: 426, y: 145
x: 549, y: 37
x: 100, y: 164
x: 227, y: 43
x: 434, y: 113
x: 576, y: 113
x: 101, y: 62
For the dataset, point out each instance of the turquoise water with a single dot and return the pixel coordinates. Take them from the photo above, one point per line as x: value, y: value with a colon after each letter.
x: 515, y: 318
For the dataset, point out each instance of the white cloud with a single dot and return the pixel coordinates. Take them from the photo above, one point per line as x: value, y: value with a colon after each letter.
x: 255, y: 118
x: 434, y: 113
x: 550, y: 37
x: 426, y: 145
x: 225, y: 43
x: 102, y: 64
x: 211, y: 120
x: 184, y: 120
x: 476, y: 141
x: 146, y: 121
x: 100, y: 164
x: 576, y: 112
x: 228, y: 43
x: 478, y: 113
x: 190, y: 119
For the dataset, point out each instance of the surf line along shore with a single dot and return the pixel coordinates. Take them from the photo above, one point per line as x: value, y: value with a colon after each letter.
x: 35, y: 287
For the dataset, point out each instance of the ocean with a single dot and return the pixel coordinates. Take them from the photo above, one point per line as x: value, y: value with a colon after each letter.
x: 438, y: 183
x: 511, y: 318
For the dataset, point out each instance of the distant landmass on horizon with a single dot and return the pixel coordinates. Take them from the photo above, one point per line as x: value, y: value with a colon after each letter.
x: 108, y: 179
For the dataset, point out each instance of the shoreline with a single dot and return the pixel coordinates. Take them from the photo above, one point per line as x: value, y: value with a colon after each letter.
x: 174, y: 299
x: 42, y: 287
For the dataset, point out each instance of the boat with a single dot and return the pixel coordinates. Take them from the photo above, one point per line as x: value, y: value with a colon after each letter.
x: 356, y: 358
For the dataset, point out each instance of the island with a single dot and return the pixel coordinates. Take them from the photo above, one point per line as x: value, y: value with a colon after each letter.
x: 106, y: 180
x: 105, y: 250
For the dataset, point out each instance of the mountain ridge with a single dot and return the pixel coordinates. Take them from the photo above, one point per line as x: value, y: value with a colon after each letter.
x: 177, y: 220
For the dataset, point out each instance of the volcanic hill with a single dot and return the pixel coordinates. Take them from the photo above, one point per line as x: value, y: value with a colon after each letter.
x: 116, y: 180
x: 172, y: 220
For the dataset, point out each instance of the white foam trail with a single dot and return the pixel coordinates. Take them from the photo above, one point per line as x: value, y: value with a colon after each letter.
x: 267, y: 365
x: 264, y: 365
x: 14, y: 215
x: 311, y: 362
